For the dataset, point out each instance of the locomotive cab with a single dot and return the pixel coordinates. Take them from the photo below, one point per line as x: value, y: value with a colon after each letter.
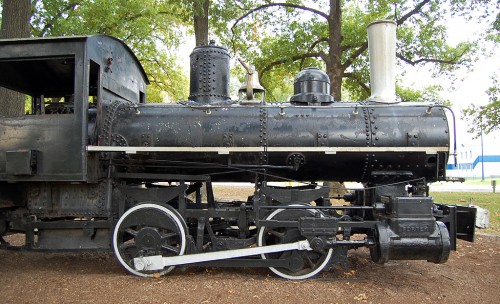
x: 64, y: 81
x: 45, y: 170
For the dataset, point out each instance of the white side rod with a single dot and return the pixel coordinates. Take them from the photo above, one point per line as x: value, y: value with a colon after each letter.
x: 158, y: 262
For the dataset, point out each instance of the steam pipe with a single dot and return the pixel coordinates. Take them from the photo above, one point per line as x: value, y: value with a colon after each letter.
x: 382, y: 49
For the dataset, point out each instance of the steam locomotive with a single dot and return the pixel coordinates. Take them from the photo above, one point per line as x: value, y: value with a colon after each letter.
x: 92, y: 166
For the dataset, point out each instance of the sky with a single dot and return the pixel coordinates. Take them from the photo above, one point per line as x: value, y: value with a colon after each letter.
x: 471, y: 86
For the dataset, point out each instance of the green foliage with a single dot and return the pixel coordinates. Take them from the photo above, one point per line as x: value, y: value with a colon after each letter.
x: 281, y: 40
x: 494, y: 31
x: 151, y: 28
x: 485, y: 118
x: 428, y: 94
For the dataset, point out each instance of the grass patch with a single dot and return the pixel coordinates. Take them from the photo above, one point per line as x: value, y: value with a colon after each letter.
x: 489, y: 201
x: 486, y: 181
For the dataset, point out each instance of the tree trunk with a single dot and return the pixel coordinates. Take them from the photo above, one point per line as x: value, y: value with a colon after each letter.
x: 334, y: 63
x: 200, y: 15
x: 15, y: 24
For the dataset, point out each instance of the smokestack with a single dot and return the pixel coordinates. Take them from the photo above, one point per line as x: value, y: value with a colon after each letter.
x: 209, y: 81
x: 382, y: 49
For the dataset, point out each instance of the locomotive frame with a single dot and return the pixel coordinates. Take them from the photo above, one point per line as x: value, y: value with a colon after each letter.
x: 93, y: 167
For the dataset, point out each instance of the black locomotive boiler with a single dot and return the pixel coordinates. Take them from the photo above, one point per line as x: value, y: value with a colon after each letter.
x: 92, y: 166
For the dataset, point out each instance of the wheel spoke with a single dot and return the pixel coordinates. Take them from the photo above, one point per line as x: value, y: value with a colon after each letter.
x: 131, y: 231
x: 168, y: 235
x: 126, y: 247
x: 308, y: 260
x: 171, y: 248
x: 279, y: 235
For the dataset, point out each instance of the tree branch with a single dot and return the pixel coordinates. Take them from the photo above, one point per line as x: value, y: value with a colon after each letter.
x: 315, y: 43
x: 425, y: 60
x: 318, y: 42
x: 354, y: 55
x: 412, y: 12
x: 261, y: 7
x: 347, y: 47
x: 293, y: 58
x: 358, y: 81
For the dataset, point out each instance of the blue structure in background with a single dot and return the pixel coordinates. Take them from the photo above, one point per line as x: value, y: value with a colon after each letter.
x: 472, y: 167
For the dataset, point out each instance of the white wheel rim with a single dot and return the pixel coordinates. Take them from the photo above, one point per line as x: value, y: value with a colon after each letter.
x: 284, y: 275
x: 172, y: 214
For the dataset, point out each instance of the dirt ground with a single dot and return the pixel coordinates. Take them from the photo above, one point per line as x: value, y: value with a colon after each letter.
x: 471, y: 275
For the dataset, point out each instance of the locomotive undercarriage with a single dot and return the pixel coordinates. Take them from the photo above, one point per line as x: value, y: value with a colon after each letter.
x: 295, y: 231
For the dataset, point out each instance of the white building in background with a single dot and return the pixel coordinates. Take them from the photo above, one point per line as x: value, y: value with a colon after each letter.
x: 476, y: 159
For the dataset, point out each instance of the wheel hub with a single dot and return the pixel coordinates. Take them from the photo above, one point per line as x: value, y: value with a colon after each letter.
x: 148, y: 238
